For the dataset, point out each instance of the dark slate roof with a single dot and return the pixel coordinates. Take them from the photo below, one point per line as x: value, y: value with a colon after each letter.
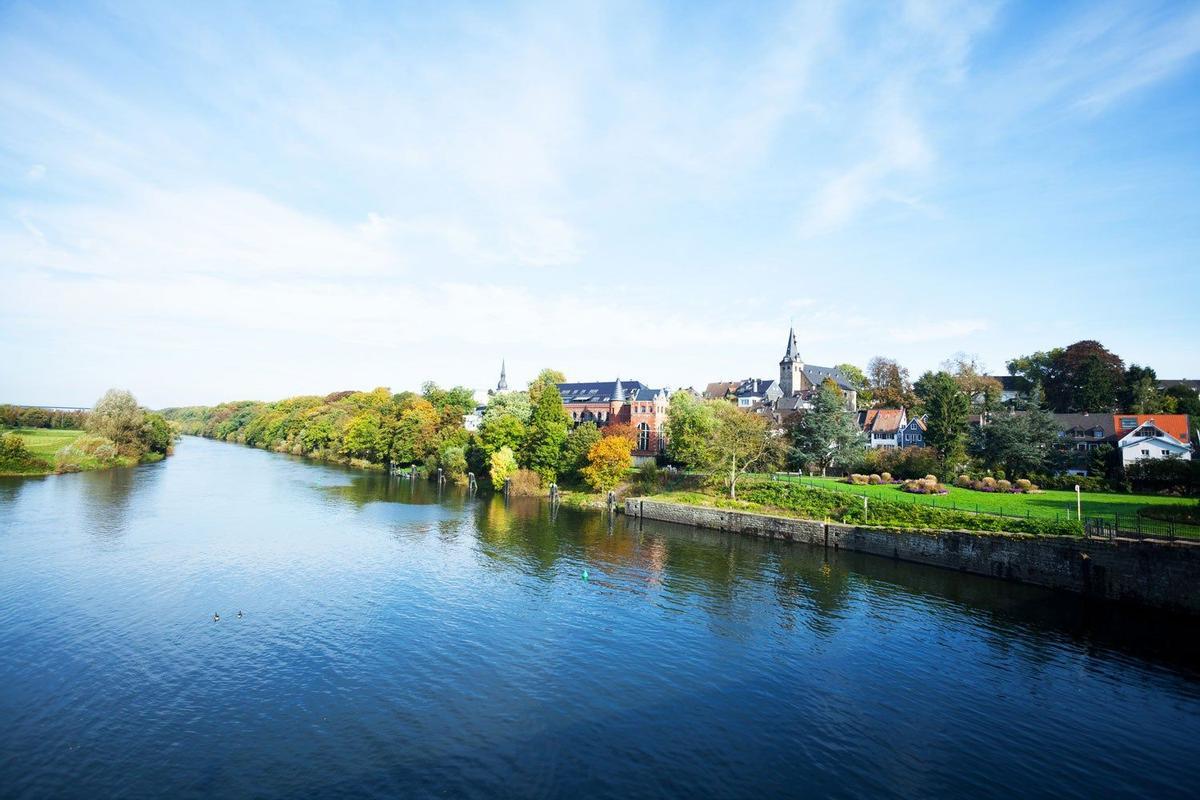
x: 597, y: 392
x: 1086, y: 422
x: 643, y: 393
x: 817, y: 376
x: 753, y: 387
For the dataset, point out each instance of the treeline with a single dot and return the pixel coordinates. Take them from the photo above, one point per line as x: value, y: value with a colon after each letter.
x: 525, y: 436
x: 27, y: 417
x: 1084, y: 376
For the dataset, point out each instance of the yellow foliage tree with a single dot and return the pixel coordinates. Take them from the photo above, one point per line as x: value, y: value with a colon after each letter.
x: 608, y: 461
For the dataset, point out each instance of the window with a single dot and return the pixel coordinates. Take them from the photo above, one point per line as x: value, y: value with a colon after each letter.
x: 1097, y: 433
x: 643, y: 436
x: 1166, y: 453
x: 1128, y: 423
x: 1145, y: 452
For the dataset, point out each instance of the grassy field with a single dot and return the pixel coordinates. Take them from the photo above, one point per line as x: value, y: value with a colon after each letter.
x: 43, y: 442
x: 1048, y: 504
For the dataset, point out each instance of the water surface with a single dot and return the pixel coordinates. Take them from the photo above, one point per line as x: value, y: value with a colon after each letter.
x: 398, y: 643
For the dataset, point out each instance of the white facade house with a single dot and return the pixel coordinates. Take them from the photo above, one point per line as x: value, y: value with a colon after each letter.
x: 1148, y: 441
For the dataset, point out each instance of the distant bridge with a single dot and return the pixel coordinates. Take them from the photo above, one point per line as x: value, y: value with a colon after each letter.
x: 47, y: 408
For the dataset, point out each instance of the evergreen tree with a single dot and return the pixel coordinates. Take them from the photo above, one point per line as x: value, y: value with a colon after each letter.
x: 948, y: 410
x: 548, y: 426
x: 826, y: 435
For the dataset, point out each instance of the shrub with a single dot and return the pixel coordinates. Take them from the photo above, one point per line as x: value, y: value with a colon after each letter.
x: 648, y: 478
x: 963, y: 482
x: 886, y: 477
x: 525, y: 483
x: 1024, y: 484
x: 875, y: 480
x: 988, y: 484
x: 858, y: 480
x: 1003, y: 485
x: 87, y: 452
x: 502, y: 465
x: 16, y: 457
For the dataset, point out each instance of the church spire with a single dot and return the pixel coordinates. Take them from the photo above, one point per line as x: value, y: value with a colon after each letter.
x: 793, y: 350
x: 619, y: 392
x: 502, y: 386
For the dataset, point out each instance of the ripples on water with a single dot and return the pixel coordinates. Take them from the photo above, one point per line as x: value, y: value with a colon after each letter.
x: 395, y: 644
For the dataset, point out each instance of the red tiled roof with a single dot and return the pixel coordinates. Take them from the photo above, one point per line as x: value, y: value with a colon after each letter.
x: 1174, y: 424
x: 883, y: 420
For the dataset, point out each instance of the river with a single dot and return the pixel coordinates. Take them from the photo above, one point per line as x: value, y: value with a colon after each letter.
x: 395, y: 642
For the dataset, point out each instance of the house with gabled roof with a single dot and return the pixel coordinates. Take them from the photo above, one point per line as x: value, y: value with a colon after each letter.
x: 1152, y: 436
x: 883, y: 426
x: 912, y: 434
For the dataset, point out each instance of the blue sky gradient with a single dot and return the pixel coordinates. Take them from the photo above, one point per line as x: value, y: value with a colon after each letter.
x: 213, y: 201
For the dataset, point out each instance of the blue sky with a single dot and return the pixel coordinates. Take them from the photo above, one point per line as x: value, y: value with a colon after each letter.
x: 213, y: 201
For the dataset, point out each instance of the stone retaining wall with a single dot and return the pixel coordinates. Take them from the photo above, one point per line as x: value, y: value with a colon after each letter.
x: 1158, y: 574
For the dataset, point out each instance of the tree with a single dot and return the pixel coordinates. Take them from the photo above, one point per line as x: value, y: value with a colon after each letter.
x: 502, y: 465
x: 690, y: 424
x: 608, y: 461
x: 548, y: 426
x: 857, y: 379
x: 1140, y: 393
x: 545, y: 378
x: 118, y: 417
x: 970, y: 375
x: 502, y: 430
x: 575, y: 451
x: 890, y: 386
x: 1186, y: 401
x: 826, y: 435
x: 415, y: 435
x: 740, y: 441
x: 1084, y: 376
x: 1021, y: 444
x: 453, y: 461
x: 363, y: 437
x: 947, y: 409
x: 157, y: 433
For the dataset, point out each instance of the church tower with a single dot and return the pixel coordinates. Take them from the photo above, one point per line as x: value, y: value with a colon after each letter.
x: 502, y: 386
x: 791, y: 368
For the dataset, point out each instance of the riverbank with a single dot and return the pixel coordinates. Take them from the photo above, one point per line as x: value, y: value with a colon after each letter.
x: 1154, y: 574
x: 46, y: 451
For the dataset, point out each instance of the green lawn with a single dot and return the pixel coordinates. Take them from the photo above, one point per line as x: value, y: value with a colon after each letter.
x: 44, y: 442
x: 1047, y: 504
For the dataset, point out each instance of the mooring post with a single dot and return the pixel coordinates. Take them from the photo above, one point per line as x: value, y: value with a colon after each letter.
x: 441, y: 476
x: 553, y: 493
x: 612, y: 501
x: 471, y: 485
x: 507, y: 487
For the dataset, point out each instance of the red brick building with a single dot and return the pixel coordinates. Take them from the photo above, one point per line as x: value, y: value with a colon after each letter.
x: 617, y: 402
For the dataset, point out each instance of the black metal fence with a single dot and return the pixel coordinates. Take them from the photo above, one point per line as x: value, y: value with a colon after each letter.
x: 1136, y: 527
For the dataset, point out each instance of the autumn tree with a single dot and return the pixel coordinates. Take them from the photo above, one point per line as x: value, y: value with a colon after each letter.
x: 502, y: 465
x: 608, y: 461
x: 889, y: 383
x: 741, y: 440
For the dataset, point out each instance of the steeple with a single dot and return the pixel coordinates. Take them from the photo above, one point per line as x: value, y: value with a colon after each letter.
x: 502, y: 386
x: 793, y: 350
x: 791, y: 368
x: 619, y: 392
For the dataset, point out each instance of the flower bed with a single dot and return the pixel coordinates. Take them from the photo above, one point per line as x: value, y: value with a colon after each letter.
x: 990, y: 484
